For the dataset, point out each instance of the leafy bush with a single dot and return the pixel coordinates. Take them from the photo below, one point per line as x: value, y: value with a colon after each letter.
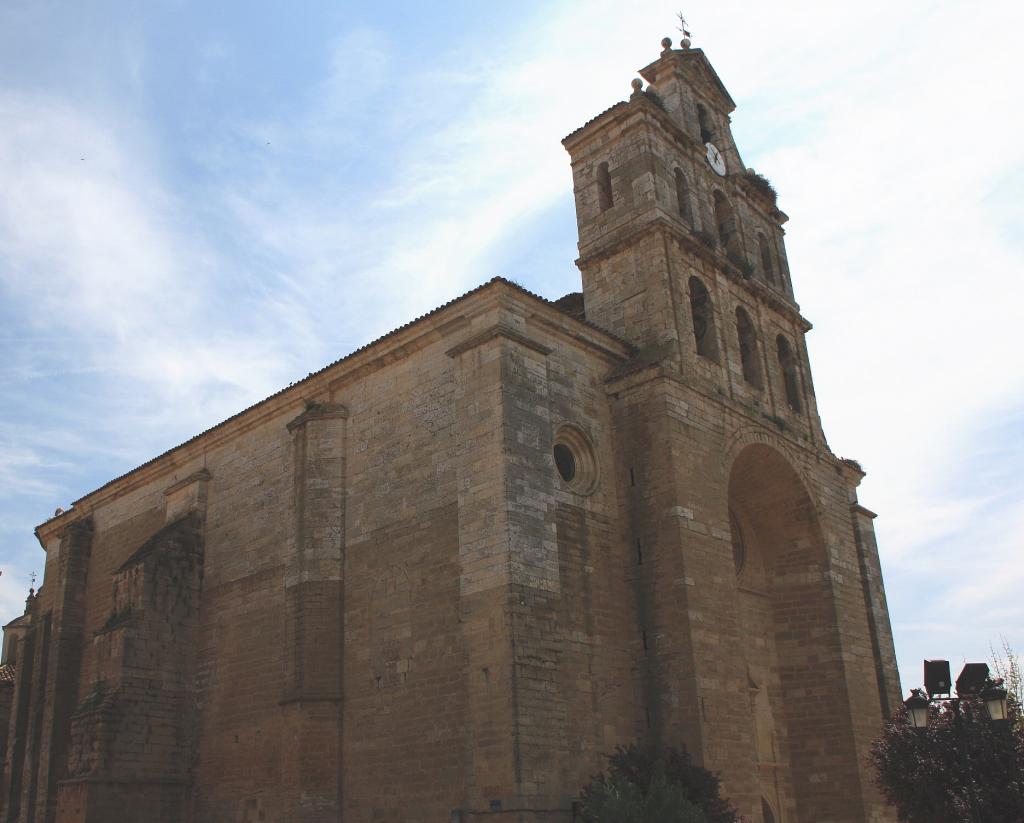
x: 937, y: 774
x: 652, y: 784
x: 707, y: 238
x: 763, y: 185
x: 616, y: 800
x: 740, y: 262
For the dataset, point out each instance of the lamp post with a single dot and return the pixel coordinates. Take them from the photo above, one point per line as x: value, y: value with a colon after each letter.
x: 995, y: 701
x: 974, y: 682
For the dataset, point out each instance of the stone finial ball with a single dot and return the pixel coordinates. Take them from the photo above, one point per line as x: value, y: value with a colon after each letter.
x: 637, y: 84
x: 666, y: 43
x: 685, y: 43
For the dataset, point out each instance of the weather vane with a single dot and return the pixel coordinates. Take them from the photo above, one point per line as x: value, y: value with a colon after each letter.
x: 33, y: 576
x: 683, y: 25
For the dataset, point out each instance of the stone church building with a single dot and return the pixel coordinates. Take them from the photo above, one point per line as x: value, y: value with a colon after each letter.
x: 443, y: 577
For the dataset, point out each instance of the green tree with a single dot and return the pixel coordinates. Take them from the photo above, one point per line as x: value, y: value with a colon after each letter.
x: 654, y: 784
x: 962, y: 767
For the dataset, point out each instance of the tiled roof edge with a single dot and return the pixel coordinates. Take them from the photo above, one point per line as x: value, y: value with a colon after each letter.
x: 331, y: 365
x: 593, y: 120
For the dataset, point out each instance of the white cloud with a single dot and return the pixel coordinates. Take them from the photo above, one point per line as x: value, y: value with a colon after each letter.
x: 401, y: 178
x: 92, y: 248
x: 21, y: 471
x: 960, y: 594
x: 916, y: 295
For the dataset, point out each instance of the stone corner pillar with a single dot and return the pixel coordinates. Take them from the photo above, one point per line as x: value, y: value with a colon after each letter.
x: 314, y: 610
x: 509, y: 577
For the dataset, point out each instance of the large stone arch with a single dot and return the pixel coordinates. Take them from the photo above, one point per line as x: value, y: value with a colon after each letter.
x: 787, y: 618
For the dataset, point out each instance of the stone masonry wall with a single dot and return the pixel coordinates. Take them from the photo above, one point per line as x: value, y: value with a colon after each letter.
x: 779, y: 680
x: 406, y: 614
x: 350, y: 626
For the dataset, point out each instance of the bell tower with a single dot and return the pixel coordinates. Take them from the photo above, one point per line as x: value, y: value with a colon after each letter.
x: 761, y: 606
x: 673, y: 226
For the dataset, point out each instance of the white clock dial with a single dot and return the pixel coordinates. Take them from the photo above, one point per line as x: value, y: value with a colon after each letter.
x: 715, y: 159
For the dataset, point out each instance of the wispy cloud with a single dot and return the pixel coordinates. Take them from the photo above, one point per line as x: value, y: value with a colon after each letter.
x: 21, y: 470
x: 899, y: 257
x: 109, y: 283
x: 149, y: 296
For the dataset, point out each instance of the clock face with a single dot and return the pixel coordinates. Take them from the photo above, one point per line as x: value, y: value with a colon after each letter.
x: 715, y: 159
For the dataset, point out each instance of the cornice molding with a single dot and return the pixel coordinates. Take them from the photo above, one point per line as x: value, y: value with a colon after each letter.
x: 498, y: 330
x: 201, y: 476
x: 691, y: 243
x: 651, y: 372
x: 319, y: 411
x: 857, y: 508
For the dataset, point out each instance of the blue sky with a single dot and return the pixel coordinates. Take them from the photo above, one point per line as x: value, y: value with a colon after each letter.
x: 201, y: 203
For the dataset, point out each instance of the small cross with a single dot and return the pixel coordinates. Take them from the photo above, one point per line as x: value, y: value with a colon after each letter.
x: 682, y: 25
x: 33, y: 576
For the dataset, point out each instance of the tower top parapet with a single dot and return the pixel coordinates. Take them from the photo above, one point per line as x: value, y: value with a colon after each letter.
x: 692, y: 67
x: 665, y: 160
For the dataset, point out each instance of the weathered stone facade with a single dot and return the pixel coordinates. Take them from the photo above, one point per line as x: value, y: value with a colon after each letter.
x: 441, y: 578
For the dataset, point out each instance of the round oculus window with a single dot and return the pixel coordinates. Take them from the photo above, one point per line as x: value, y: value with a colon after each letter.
x: 575, y: 460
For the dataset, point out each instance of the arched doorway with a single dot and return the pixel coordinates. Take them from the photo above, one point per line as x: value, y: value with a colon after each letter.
x: 790, y: 647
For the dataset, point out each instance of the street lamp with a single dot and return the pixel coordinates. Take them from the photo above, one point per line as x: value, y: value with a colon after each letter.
x: 974, y: 682
x: 995, y: 701
x: 917, y: 709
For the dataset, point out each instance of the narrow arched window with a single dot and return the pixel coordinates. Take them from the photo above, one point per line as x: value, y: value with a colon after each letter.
x: 766, y: 258
x: 739, y: 546
x: 604, y: 187
x: 682, y: 195
x: 725, y: 220
x: 702, y: 313
x: 707, y: 132
x: 790, y: 373
x: 749, y: 357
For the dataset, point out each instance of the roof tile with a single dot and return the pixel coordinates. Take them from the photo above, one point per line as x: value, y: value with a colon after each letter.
x: 348, y: 356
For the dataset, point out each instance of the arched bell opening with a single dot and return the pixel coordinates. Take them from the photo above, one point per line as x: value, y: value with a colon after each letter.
x: 605, y: 196
x: 788, y: 625
x: 728, y: 226
x: 702, y: 314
